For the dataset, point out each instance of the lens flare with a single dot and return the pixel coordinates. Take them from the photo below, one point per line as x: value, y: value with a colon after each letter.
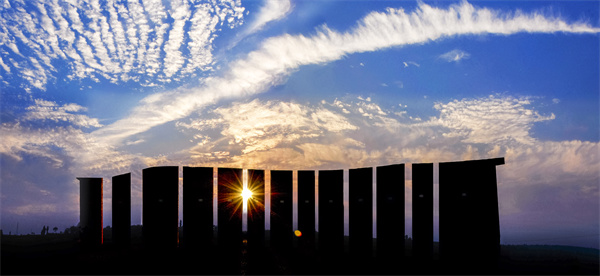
x: 246, y: 194
x: 241, y: 196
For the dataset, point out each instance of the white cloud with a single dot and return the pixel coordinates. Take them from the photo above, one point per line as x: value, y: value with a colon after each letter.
x: 174, y: 59
x: 328, y: 135
x: 257, y: 126
x: 47, y: 110
x: 61, y: 144
x: 135, y: 142
x: 280, y: 135
x: 283, y: 135
x: 407, y: 63
x: 552, y: 162
x: 323, y: 136
x: 4, y: 66
x: 272, y: 10
x: 119, y: 41
x: 489, y: 120
x: 455, y: 56
x: 200, y: 38
x: 279, y: 56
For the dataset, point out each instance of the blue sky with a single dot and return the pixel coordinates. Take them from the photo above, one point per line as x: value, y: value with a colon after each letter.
x: 101, y: 88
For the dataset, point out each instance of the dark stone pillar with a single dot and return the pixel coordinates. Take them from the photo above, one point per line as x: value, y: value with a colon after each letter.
x: 282, y: 231
x: 331, y: 212
x: 160, y: 200
x: 230, y: 204
x: 361, y: 211
x: 256, y: 223
x: 256, y: 207
x: 230, y: 207
x: 121, y: 210
x: 469, y: 219
x: 422, y: 211
x: 390, y: 212
x: 306, y: 209
x: 197, y: 207
x: 90, y: 211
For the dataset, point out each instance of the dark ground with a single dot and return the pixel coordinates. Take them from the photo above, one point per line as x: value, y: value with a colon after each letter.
x: 62, y: 254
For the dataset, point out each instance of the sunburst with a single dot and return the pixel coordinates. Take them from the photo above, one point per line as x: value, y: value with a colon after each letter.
x: 249, y: 198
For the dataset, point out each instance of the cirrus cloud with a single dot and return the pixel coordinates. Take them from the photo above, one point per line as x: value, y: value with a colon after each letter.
x: 455, y: 55
x: 280, y: 56
x: 113, y: 40
x: 489, y: 120
x: 47, y: 110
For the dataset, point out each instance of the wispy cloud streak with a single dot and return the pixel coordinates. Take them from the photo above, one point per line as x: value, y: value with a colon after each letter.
x: 279, y: 56
x: 272, y: 10
x: 47, y: 110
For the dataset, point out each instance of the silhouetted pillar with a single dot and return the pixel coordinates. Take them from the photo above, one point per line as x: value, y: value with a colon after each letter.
x: 469, y: 219
x: 331, y: 212
x: 121, y: 209
x: 282, y: 208
x: 256, y: 207
x: 306, y: 207
x: 256, y: 222
x: 390, y: 211
x: 160, y: 201
x: 197, y: 207
x: 361, y: 211
x: 90, y: 211
x: 422, y: 210
x: 229, y: 207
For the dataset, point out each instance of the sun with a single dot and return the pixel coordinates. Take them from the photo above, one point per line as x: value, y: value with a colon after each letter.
x: 246, y: 194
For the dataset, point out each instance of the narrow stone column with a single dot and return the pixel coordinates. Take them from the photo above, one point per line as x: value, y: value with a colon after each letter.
x: 90, y: 212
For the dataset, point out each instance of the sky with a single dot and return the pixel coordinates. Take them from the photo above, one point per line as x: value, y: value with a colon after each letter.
x: 101, y: 88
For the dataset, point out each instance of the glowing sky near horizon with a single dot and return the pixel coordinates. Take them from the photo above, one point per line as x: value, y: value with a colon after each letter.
x: 100, y: 88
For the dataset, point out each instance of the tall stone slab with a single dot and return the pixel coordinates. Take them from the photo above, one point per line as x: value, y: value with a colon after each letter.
x: 422, y: 210
x: 256, y: 206
x: 469, y: 218
x: 160, y: 215
x: 121, y: 209
x: 361, y: 211
x: 331, y: 211
x: 197, y: 207
x: 229, y: 207
x: 306, y: 207
x: 390, y: 211
x: 90, y: 211
x: 282, y: 207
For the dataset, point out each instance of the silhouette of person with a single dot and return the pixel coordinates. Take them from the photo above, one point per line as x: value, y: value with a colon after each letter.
x: 43, y: 230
